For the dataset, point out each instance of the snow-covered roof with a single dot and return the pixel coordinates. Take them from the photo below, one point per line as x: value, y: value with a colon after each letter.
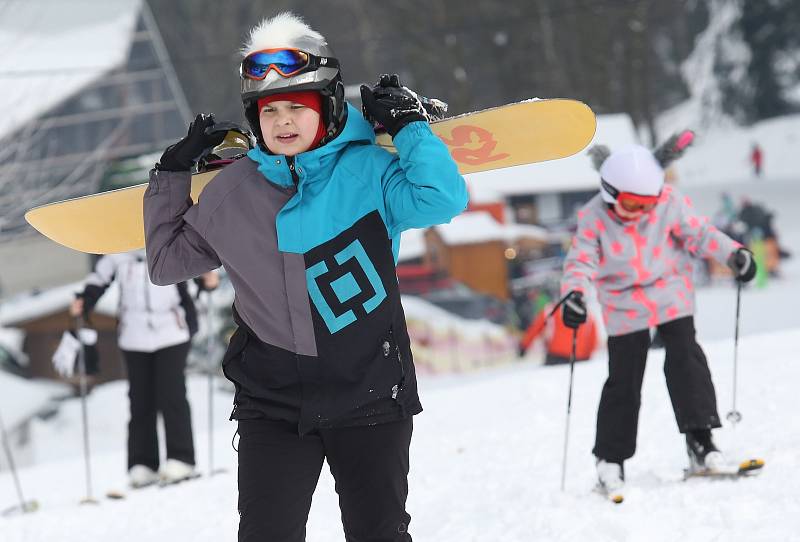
x: 467, y: 228
x: 29, y: 306
x: 52, y: 49
x: 567, y: 174
x: 21, y: 399
x: 412, y: 245
x: 480, y: 227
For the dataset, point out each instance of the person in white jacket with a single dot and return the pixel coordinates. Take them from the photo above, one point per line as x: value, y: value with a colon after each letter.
x: 635, y: 243
x: 156, y: 324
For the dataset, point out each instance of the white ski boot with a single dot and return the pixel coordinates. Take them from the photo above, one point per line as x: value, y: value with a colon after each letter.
x: 141, y: 476
x: 610, y: 480
x: 174, y: 471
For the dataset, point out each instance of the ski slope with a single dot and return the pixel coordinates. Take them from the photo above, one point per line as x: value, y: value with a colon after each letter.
x: 487, y: 451
x: 486, y: 463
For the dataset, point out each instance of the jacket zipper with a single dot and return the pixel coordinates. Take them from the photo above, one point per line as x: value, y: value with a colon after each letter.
x: 295, y: 177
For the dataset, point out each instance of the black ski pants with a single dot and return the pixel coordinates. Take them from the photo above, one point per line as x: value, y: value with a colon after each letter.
x: 156, y: 383
x: 688, y: 382
x: 279, y: 470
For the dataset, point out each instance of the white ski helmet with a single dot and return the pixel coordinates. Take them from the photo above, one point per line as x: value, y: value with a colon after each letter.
x: 631, y: 169
x: 288, y: 31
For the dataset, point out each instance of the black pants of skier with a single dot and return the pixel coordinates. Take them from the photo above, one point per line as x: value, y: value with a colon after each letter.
x: 279, y: 470
x: 157, y: 384
x: 688, y: 382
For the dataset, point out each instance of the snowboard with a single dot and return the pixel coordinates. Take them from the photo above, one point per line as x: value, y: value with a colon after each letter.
x: 510, y: 135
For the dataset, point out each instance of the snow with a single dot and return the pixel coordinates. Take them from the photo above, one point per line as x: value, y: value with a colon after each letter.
x: 722, y: 154
x: 21, y: 399
x: 468, y: 228
x: 481, y: 227
x: 412, y: 245
x: 568, y: 174
x: 52, y: 53
x: 486, y: 459
x: 486, y: 454
x: 31, y: 305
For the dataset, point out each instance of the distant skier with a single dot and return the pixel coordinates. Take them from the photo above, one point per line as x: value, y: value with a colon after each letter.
x: 757, y: 159
x: 308, y: 227
x: 633, y: 244
x: 156, y: 324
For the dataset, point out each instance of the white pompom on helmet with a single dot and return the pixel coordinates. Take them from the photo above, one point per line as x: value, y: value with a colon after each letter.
x: 631, y: 169
x: 288, y: 31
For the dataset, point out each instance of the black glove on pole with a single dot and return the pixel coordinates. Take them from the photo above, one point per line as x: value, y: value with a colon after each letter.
x: 391, y: 104
x: 742, y: 264
x: 574, y: 310
x: 199, y: 139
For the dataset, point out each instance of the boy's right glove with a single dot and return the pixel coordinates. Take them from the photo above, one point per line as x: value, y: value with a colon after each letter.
x: 742, y: 264
x: 574, y: 310
x: 391, y: 104
x: 200, y: 139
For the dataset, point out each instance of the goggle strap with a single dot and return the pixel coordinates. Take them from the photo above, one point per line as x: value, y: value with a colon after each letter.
x: 608, y: 188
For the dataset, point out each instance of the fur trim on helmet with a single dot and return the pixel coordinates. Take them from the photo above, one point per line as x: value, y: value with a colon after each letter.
x: 278, y: 31
x: 673, y: 148
x: 598, y: 154
x: 287, y: 30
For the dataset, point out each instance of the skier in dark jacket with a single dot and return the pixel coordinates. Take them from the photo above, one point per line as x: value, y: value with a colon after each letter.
x: 308, y: 228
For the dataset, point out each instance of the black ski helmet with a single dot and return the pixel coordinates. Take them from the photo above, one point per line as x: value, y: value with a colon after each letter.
x: 288, y: 31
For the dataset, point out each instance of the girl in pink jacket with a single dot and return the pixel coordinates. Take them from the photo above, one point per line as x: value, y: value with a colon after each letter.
x: 635, y: 243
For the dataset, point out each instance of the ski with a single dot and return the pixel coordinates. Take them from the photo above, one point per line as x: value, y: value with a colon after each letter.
x: 115, y: 494
x: 510, y: 135
x: 748, y: 467
x: 25, y: 508
x: 615, y: 496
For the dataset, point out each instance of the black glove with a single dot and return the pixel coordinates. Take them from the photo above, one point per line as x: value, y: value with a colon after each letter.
x: 574, y: 310
x: 391, y: 104
x: 742, y: 264
x: 200, y: 139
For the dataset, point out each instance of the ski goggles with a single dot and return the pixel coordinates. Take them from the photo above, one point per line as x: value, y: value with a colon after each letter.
x: 631, y: 202
x: 286, y: 62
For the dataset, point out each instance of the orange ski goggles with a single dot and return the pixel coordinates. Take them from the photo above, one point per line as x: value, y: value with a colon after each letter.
x: 287, y: 62
x: 631, y: 202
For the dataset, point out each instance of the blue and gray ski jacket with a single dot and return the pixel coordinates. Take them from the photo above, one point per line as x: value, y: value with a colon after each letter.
x: 310, y: 244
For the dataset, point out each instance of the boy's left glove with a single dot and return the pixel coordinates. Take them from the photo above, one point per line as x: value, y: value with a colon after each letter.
x: 391, y: 104
x: 742, y: 264
x: 200, y: 138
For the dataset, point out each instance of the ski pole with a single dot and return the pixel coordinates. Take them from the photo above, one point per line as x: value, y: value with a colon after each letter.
x: 734, y: 416
x: 569, y: 406
x: 23, y: 505
x: 88, y: 499
x: 209, y: 346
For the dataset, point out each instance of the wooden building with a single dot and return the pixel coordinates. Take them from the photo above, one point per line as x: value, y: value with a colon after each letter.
x: 476, y: 249
x: 44, y: 316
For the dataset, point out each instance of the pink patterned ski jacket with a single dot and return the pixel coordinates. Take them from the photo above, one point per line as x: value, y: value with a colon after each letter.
x: 642, y: 270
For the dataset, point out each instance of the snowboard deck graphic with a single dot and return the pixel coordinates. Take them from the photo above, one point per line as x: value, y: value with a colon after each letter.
x: 509, y: 135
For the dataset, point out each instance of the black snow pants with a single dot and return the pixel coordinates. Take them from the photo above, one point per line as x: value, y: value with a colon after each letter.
x: 156, y: 383
x: 688, y: 382
x: 279, y: 470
